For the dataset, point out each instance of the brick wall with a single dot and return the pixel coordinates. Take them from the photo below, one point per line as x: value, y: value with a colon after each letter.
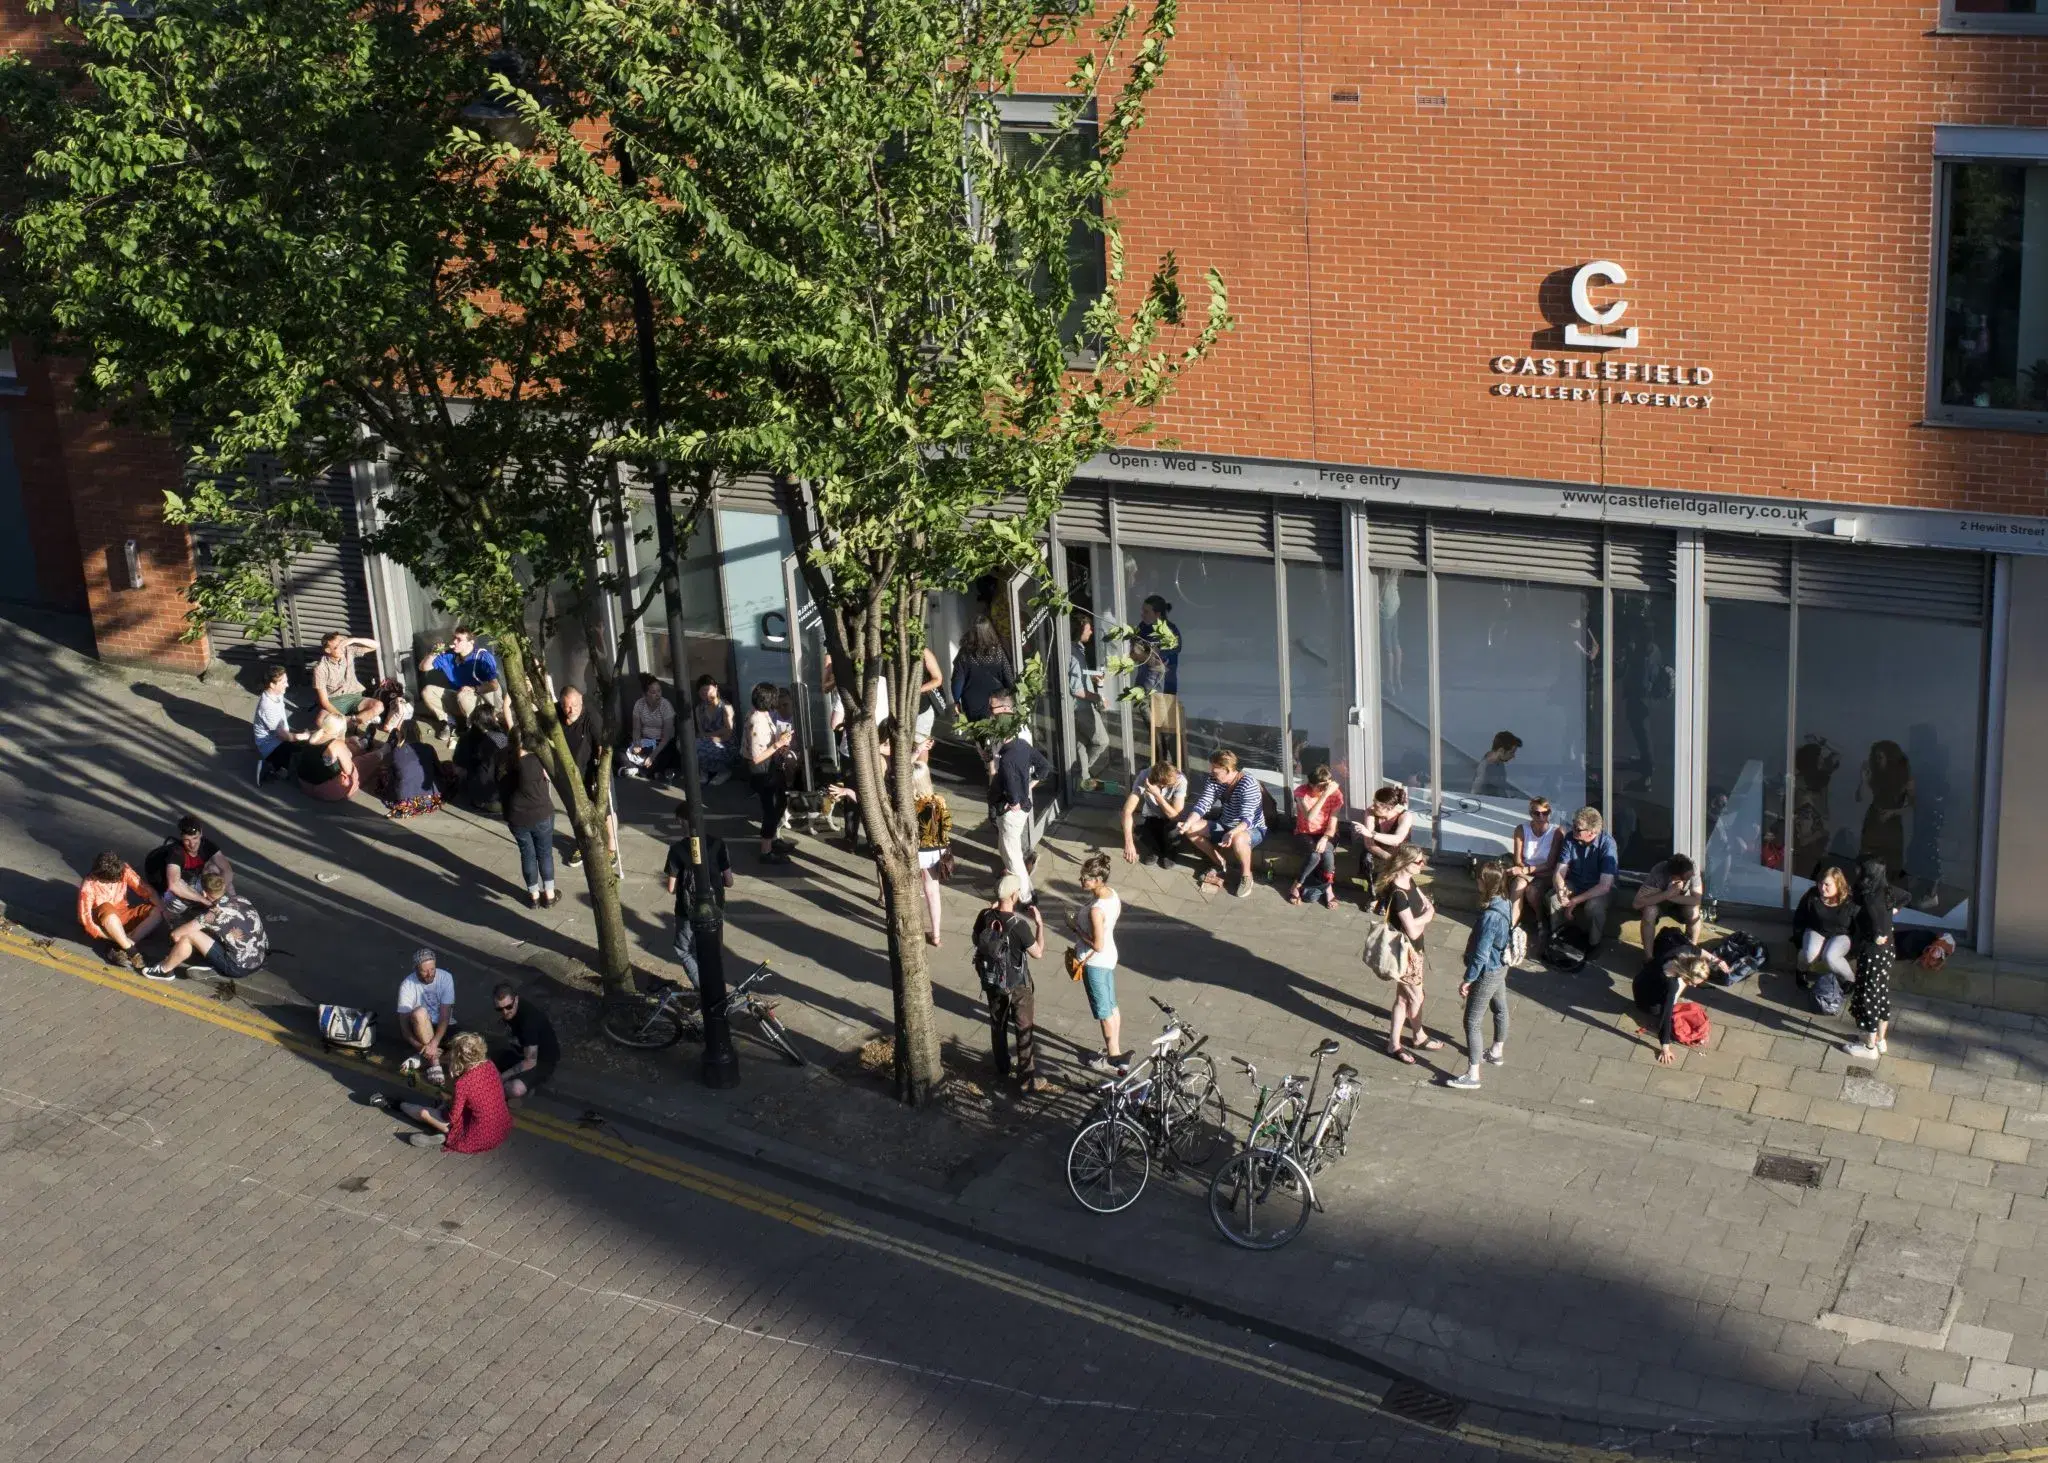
x: 1764, y: 173
x: 45, y: 490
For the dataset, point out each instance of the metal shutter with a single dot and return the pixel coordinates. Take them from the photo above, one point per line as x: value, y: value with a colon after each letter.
x: 1748, y: 568
x: 755, y: 494
x: 1216, y: 523
x: 1312, y: 531
x: 1515, y: 548
x: 1925, y: 584
x: 1641, y: 558
x: 1395, y: 538
x: 325, y: 588
x: 1084, y: 514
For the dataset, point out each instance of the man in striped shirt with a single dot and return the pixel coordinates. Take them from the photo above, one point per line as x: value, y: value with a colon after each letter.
x: 1230, y: 814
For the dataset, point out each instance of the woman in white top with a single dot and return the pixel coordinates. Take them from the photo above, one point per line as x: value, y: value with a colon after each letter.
x: 767, y: 739
x: 1537, y: 844
x: 1094, y: 926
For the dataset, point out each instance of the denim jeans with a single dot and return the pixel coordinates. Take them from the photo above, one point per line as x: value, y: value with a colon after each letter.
x: 1489, y: 991
x: 1320, y: 871
x: 537, y: 854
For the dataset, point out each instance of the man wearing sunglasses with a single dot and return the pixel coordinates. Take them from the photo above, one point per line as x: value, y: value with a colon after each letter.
x: 529, y: 1062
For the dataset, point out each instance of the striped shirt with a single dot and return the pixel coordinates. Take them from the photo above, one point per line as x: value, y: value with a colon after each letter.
x: 1226, y: 807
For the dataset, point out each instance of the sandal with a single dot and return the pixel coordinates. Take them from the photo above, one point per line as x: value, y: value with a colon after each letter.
x: 1401, y: 1054
x: 1213, y: 879
x: 1429, y: 1044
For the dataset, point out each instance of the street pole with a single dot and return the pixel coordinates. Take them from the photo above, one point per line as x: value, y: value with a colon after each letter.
x: 721, y: 1066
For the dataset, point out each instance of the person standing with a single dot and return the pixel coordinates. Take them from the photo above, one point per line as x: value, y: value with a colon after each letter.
x: 335, y: 685
x: 1158, y: 803
x: 276, y: 742
x: 1388, y: 825
x: 524, y: 793
x: 767, y: 742
x: 1318, y: 805
x: 981, y: 671
x: 1871, y: 1006
x: 582, y: 738
x: 1485, y: 987
x: 679, y: 877
x: 1019, y: 768
x: 1587, y: 865
x: 934, y: 837
x: 1094, y: 927
x: 1006, y: 939
x: 1084, y: 686
x: 1155, y: 648
x: 1229, y: 815
x: 1399, y: 898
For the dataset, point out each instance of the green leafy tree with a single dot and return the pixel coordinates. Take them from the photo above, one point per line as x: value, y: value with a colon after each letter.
x: 291, y: 228
x: 827, y: 191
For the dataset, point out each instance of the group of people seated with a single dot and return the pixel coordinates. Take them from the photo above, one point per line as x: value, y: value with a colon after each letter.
x: 186, y: 890
x: 475, y: 1118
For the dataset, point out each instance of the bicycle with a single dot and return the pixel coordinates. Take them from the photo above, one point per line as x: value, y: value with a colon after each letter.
x: 1182, y: 1084
x: 1162, y: 1102
x: 650, y: 1023
x: 1262, y: 1196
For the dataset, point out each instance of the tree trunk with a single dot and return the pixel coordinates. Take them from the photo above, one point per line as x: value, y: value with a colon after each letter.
x: 541, y: 729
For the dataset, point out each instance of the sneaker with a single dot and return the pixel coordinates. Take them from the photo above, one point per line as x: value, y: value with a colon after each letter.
x: 1498, y: 1057
x: 435, y: 1075
x: 157, y: 972
x: 427, y: 1140
x: 1863, y: 1051
x: 410, y: 1067
x: 1243, y: 889
x: 573, y: 858
x: 1465, y: 1082
x: 132, y: 959
x: 1163, y: 861
x: 1104, y: 1063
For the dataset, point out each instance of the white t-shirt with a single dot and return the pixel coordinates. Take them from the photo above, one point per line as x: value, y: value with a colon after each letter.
x: 433, y: 997
x: 1536, y: 852
x: 1154, y: 800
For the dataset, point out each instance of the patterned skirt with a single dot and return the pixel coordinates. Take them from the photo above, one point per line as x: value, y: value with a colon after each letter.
x: 1871, y: 1005
x: 413, y: 807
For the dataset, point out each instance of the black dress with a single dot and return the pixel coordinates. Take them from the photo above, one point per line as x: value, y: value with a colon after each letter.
x: 1871, y: 1005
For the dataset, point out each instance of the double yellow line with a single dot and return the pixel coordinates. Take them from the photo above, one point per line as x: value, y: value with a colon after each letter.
x: 779, y: 1207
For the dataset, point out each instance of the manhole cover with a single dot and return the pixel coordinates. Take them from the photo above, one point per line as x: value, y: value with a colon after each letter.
x: 1418, y: 1403
x: 1783, y: 1168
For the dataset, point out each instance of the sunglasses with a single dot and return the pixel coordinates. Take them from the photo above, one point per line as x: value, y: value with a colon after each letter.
x: 505, y: 1008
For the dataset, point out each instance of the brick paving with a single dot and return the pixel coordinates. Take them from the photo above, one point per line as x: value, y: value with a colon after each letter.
x: 1584, y: 1235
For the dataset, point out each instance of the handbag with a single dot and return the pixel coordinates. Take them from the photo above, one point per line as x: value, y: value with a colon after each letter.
x: 1386, y: 949
x: 347, y: 1028
x: 1075, y: 964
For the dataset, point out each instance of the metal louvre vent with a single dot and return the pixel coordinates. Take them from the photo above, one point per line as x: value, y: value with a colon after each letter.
x: 1395, y: 538
x: 1641, y: 558
x: 1312, y: 531
x: 325, y: 588
x: 1747, y: 568
x: 1213, y: 523
x: 1925, y: 584
x: 1084, y: 515
x: 1509, y: 548
x: 754, y: 494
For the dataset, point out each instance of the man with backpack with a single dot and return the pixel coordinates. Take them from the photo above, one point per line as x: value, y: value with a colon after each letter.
x: 1005, y: 939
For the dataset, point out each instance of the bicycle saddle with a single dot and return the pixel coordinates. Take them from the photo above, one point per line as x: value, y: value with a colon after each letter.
x: 1346, y: 1072
x: 1327, y: 1047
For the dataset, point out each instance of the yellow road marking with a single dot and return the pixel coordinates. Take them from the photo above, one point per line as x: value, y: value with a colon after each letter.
x: 770, y: 1204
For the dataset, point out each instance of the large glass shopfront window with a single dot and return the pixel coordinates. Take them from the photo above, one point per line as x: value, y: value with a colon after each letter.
x: 1098, y: 714
x: 1319, y: 668
x: 1748, y: 665
x: 1227, y: 681
x: 1644, y: 725
x: 1402, y: 604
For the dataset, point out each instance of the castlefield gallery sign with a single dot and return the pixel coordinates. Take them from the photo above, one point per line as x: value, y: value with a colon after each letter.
x: 1606, y: 380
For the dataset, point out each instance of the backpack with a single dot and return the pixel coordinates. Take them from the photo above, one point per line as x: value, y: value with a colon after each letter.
x: 996, y: 958
x: 1689, y: 1024
x: 1565, y: 953
x: 1827, y: 993
x: 347, y: 1029
x: 1744, y: 954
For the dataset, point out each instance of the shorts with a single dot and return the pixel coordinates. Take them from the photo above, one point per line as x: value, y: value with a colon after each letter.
x: 1217, y: 833
x: 1101, y: 983
x: 223, y: 963
x: 130, y: 914
x: 346, y: 702
x: 928, y: 858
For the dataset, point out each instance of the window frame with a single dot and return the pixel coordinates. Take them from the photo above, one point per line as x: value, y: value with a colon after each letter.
x: 1034, y: 112
x: 1954, y: 145
x: 1981, y: 23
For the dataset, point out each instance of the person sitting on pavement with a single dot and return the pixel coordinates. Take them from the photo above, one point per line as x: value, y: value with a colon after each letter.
x: 475, y: 1118
x: 1671, y: 887
x: 1318, y: 809
x: 465, y: 669
x: 335, y: 686
x: 679, y: 878
x: 327, y: 764
x: 426, y: 1014
x: 176, y: 868
x: 651, y: 750
x: 1586, y: 867
x: 475, y: 760
x: 412, y: 784
x: 115, y: 909
x: 228, y: 935
x: 1005, y: 939
x: 1158, y: 803
x: 1661, y: 985
x: 528, y: 1063
x: 717, y: 733
x: 1229, y: 815
x: 276, y: 743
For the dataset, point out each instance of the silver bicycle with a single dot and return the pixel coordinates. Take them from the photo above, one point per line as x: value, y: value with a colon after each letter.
x: 1262, y: 1196
x: 1170, y: 1100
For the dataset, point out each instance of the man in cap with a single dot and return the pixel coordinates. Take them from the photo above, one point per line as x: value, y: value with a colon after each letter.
x: 426, y: 1014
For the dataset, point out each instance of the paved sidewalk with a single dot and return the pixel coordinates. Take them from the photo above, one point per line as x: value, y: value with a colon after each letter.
x: 1584, y: 1236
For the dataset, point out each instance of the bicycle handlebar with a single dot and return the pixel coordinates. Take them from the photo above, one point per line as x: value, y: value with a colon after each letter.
x: 1160, y: 1004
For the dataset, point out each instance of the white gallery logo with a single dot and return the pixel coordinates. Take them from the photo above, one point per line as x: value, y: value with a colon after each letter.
x: 1618, y: 383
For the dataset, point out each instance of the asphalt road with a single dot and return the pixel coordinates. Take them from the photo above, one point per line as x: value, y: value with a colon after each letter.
x: 219, y: 1251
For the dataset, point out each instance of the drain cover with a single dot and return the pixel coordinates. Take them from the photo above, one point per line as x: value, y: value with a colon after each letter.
x: 1784, y: 1168
x: 1418, y: 1403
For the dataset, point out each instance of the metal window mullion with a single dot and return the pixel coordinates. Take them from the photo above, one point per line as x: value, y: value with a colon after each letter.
x: 1607, y: 707
x: 1991, y: 775
x: 1436, y: 746
x: 1121, y: 616
x: 1362, y: 729
x: 1287, y: 767
x: 1689, y: 718
x: 1786, y: 841
x: 1063, y: 654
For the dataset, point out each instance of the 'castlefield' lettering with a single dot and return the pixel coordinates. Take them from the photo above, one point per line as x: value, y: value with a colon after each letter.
x: 1629, y: 378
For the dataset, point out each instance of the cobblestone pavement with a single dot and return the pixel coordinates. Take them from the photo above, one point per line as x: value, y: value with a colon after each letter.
x: 1585, y: 1235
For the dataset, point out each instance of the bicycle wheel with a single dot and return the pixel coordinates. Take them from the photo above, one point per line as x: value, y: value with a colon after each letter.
x: 1108, y: 1164
x: 1195, y: 1109
x: 1260, y: 1199
x: 1337, y: 1128
x: 633, y: 1021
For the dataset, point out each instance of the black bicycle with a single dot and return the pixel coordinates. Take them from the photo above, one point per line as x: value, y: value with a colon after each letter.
x: 652, y: 1022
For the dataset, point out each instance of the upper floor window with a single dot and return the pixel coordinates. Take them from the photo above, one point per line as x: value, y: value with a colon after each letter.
x: 2010, y: 16
x: 1991, y: 350
x: 1028, y: 129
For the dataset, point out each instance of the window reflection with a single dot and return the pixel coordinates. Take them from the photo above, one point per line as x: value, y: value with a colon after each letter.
x: 1403, y: 608
x: 1319, y: 668
x: 1748, y: 659
x: 1645, y: 726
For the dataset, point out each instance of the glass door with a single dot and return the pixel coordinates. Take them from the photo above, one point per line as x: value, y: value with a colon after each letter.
x: 1034, y: 627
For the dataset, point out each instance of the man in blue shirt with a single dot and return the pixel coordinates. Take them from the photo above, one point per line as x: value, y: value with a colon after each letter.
x: 467, y: 669
x: 1230, y: 813
x: 1579, y: 890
